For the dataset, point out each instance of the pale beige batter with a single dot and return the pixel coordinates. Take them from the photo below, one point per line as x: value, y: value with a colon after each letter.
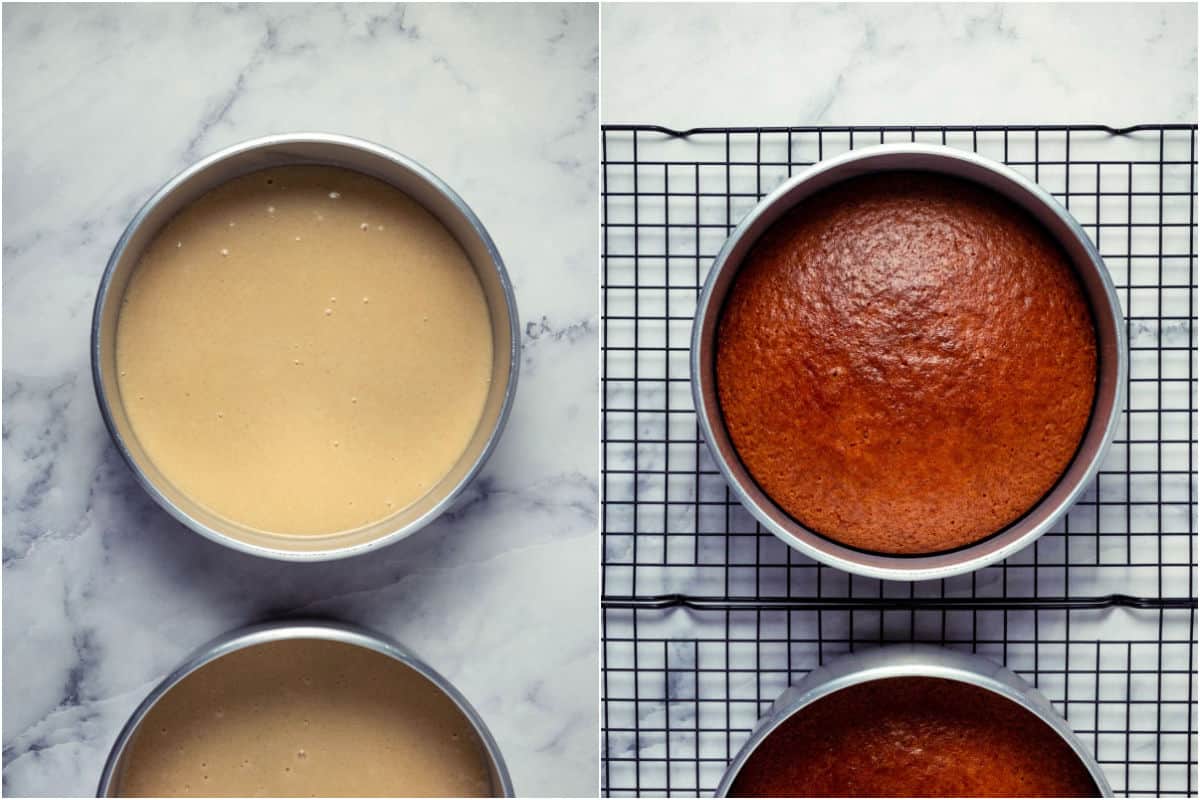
x: 305, y: 717
x: 304, y: 350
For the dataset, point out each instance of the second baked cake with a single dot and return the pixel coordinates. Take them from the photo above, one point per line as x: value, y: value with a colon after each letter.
x: 906, y: 362
x: 913, y: 737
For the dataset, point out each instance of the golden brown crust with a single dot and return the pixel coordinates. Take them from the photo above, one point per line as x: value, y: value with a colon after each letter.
x: 906, y: 363
x: 914, y: 737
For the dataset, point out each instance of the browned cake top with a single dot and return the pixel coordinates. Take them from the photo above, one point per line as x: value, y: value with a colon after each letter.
x: 914, y: 737
x: 906, y: 362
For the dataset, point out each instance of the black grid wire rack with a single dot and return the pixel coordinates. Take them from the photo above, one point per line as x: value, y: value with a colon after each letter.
x: 707, y: 618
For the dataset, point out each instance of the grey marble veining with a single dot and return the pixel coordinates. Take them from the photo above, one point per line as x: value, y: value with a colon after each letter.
x: 103, y: 592
x: 902, y: 63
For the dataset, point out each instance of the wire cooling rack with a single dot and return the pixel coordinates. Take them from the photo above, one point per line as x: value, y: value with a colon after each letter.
x: 707, y: 618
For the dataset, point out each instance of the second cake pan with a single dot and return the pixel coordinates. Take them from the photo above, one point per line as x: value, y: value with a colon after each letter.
x: 293, y: 630
x: 907, y: 661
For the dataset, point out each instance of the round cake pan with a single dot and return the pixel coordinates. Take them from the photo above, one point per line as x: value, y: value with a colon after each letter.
x: 1097, y: 285
x: 281, y: 631
x: 352, y: 154
x: 906, y: 661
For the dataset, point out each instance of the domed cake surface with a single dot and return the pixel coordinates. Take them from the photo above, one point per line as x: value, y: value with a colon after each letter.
x: 906, y: 362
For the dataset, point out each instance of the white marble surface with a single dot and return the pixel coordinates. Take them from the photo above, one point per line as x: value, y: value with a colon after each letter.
x: 103, y: 592
x: 686, y: 65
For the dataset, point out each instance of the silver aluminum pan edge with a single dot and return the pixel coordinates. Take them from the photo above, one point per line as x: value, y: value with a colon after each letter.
x: 301, y: 629
x: 912, y: 660
x: 348, y: 153
x: 1111, y: 346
